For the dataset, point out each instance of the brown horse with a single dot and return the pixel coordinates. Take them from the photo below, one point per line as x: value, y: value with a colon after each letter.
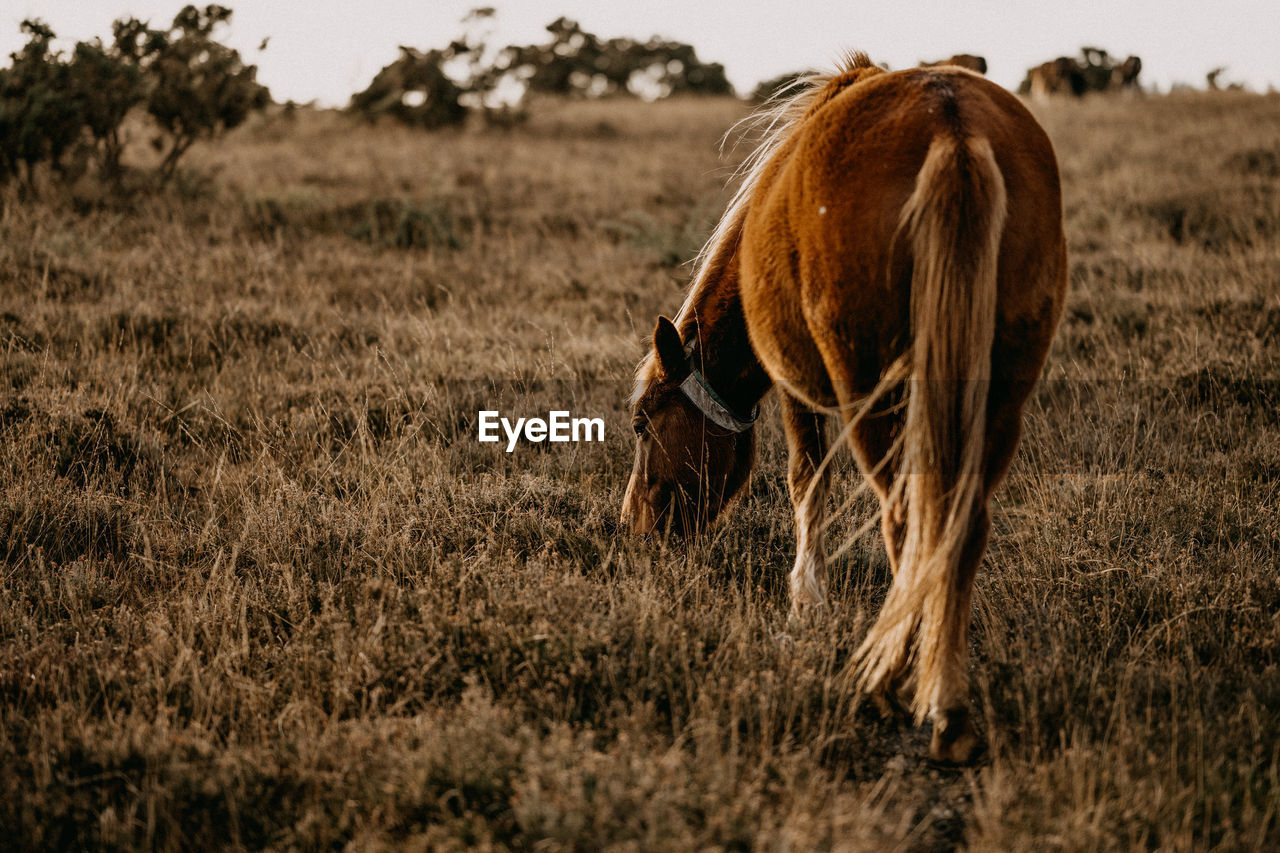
x: 895, y: 254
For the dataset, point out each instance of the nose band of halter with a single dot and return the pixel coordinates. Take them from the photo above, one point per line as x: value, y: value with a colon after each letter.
x: 699, y: 392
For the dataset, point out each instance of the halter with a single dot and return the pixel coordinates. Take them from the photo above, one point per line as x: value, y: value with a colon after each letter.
x: 700, y: 393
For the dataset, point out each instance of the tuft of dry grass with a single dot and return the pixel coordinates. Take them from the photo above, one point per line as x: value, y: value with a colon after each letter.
x: 263, y: 588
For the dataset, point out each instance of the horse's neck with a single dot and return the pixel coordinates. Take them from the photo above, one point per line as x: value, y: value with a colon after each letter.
x: 723, y: 353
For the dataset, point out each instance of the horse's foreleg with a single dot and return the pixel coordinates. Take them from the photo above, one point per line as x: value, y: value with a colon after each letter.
x: 807, y: 447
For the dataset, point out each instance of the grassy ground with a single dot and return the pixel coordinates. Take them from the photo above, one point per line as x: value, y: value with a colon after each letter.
x: 262, y: 586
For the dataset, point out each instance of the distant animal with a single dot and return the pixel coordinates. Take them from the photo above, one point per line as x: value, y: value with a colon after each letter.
x: 1211, y: 81
x: 1096, y: 71
x: 1125, y: 75
x: 895, y: 256
x: 1061, y: 76
x: 964, y: 60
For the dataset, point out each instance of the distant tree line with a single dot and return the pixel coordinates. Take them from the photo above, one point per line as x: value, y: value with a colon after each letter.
x: 61, y: 110
x: 440, y: 87
x: 70, y: 111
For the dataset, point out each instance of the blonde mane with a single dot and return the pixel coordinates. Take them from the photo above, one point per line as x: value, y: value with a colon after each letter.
x: 773, y: 123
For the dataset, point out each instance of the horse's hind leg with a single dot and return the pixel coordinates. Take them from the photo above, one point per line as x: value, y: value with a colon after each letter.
x: 955, y: 740
x: 807, y: 448
x: 872, y: 442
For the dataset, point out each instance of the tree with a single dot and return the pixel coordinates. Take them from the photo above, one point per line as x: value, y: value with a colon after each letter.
x: 415, y: 90
x: 199, y: 87
x: 190, y: 84
x: 436, y: 88
x: 576, y: 62
x: 107, y: 83
x: 38, y: 121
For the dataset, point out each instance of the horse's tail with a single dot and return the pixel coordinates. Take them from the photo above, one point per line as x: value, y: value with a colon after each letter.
x: 952, y: 223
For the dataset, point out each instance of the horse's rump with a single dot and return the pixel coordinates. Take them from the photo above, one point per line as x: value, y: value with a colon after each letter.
x: 877, y: 248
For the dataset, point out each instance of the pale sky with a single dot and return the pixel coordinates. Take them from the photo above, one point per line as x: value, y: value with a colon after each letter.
x: 328, y: 49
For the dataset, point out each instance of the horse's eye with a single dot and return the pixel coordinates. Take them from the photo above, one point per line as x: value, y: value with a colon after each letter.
x: 639, y: 425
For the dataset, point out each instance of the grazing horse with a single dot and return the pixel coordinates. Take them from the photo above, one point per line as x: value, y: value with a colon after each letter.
x: 895, y: 254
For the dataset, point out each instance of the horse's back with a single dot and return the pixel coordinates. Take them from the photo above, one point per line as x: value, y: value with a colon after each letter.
x: 821, y: 256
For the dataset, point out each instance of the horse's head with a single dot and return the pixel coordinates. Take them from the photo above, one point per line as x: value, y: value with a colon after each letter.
x: 692, y: 452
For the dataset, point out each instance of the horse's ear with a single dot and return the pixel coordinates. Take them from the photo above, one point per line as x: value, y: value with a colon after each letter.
x: 666, y: 343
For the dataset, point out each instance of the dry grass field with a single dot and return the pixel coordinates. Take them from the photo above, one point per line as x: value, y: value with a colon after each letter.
x: 262, y: 587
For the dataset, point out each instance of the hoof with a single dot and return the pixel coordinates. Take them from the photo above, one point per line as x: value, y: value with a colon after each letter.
x: 955, y: 741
